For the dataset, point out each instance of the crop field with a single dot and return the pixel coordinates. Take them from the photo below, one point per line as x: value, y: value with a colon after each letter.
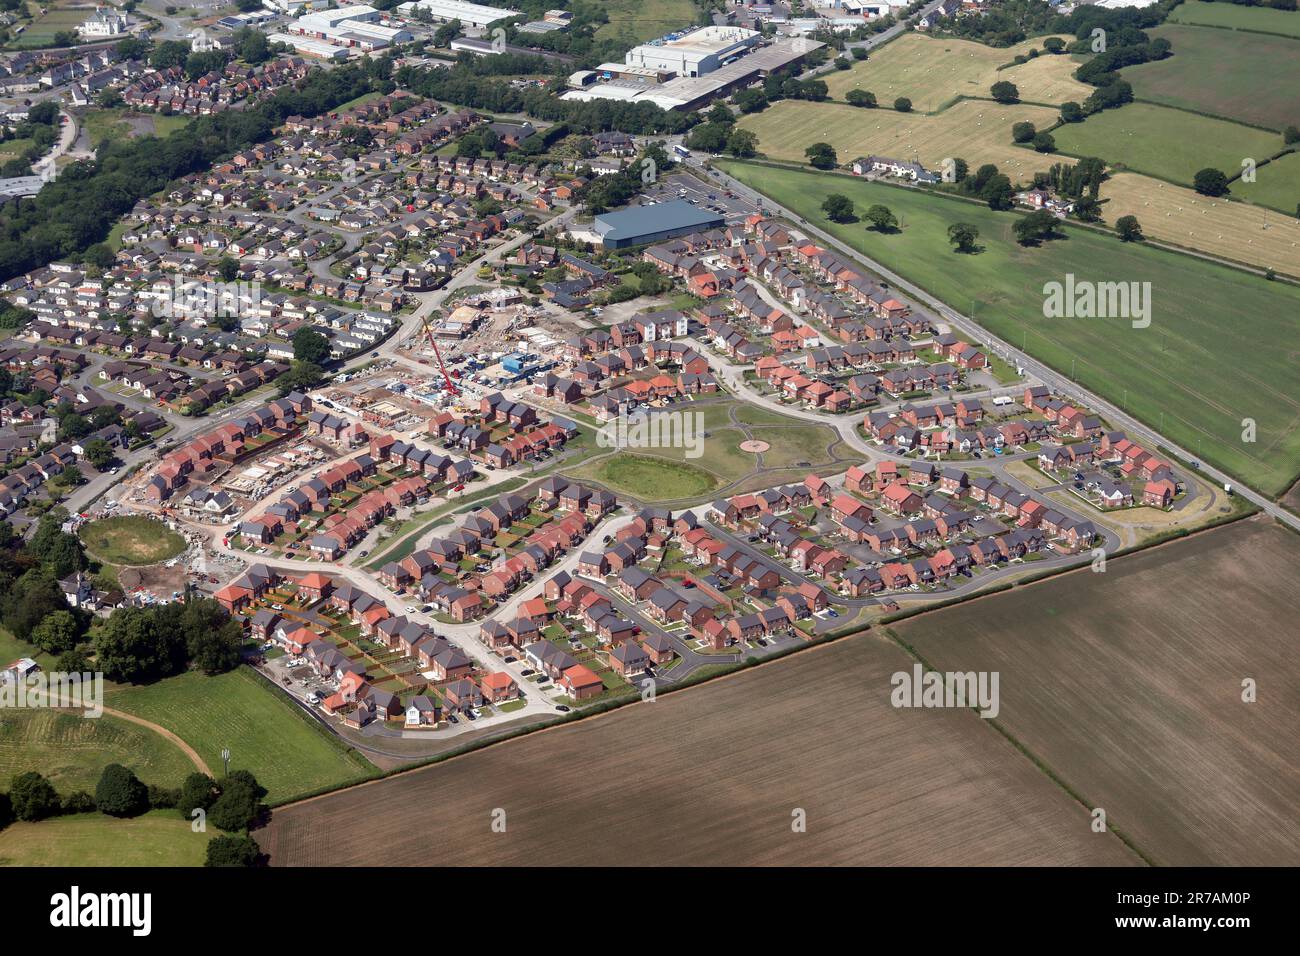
x: 131, y: 539
x: 713, y: 775
x: 976, y: 131
x: 1234, y: 230
x: 287, y: 753
x: 41, y: 30
x: 158, y: 838
x: 1240, y: 76
x: 1233, y: 17
x: 932, y: 72
x: 72, y: 751
x: 1128, y: 684
x: 1163, y: 142
x: 1210, y: 358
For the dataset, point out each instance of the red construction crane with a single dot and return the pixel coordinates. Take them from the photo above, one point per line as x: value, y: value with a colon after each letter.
x: 451, y: 386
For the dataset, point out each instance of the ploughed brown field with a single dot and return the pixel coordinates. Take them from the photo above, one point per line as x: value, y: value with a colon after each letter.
x: 1128, y: 685
x: 711, y: 775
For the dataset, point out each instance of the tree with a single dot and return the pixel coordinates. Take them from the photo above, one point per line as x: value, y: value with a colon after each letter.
x: 33, y: 797
x: 751, y: 101
x: 709, y: 137
x: 1022, y: 132
x: 821, y: 155
x: 997, y: 192
x: 224, y: 850
x: 99, y: 453
x: 310, y: 346
x: 198, y: 792
x: 903, y: 104
x: 963, y: 235
x: 1054, y: 45
x: 742, y: 143
x: 301, y: 377
x: 1035, y: 227
x: 1071, y: 112
x: 1043, y: 142
x: 881, y: 218
x: 29, y: 600
x: 120, y: 792
x: 240, y: 802
x: 861, y: 98
x: 228, y: 269
x: 1291, y: 135
x: 57, y: 632
x: 132, y: 647
x: 99, y: 256
x: 838, y: 208
x: 1087, y: 209
x: 1128, y: 229
x: 1005, y: 92
x: 1210, y: 182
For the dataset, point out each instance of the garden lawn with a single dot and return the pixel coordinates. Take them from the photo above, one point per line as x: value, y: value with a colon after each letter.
x: 288, y: 753
x: 1213, y: 355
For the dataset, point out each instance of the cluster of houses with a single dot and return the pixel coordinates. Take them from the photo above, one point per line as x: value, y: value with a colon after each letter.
x: 169, y: 89
x: 416, y: 475
x: 460, y: 685
x: 456, y: 571
x: 226, y: 444
x: 929, y: 522
x: 628, y: 367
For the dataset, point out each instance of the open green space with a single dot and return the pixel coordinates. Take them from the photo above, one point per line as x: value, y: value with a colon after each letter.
x: 1168, y: 143
x: 131, y: 539
x: 288, y: 753
x: 157, y: 838
x: 651, y: 478
x: 1234, y: 17
x: 72, y: 750
x: 1250, y: 77
x: 1214, y: 354
x: 1276, y: 185
x: 632, y: 21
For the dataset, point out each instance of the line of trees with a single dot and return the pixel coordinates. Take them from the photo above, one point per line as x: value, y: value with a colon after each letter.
x: 232, y: 804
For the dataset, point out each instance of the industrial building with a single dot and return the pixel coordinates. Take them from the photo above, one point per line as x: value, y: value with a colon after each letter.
x: 695, y: 53
x: 642, y: 225
x: 309, y: 46
x: 470, y: 14
x: 643, y: 84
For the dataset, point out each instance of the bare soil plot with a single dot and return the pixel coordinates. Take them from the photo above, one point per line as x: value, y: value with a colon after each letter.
x: 711, y: 775
x: 933, y: 72
x: 1128, y: 685
x: 1234, y: 230
x: 977, y: 131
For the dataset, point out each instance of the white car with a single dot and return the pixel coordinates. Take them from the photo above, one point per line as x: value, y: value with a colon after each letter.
x: 410, y: 609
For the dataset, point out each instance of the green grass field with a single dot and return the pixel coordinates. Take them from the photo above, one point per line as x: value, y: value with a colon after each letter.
x: 1249, y: 77
x: 1221, y: 346
x: 1276, y: 185
x: 131, y: 539
x: 633, y: 21
x: 651, y: 478
x: 1167, y: 143
x: 72, y: 751
x: 158, y: 838
x: 1234, y: 17
x: 287, y: 753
